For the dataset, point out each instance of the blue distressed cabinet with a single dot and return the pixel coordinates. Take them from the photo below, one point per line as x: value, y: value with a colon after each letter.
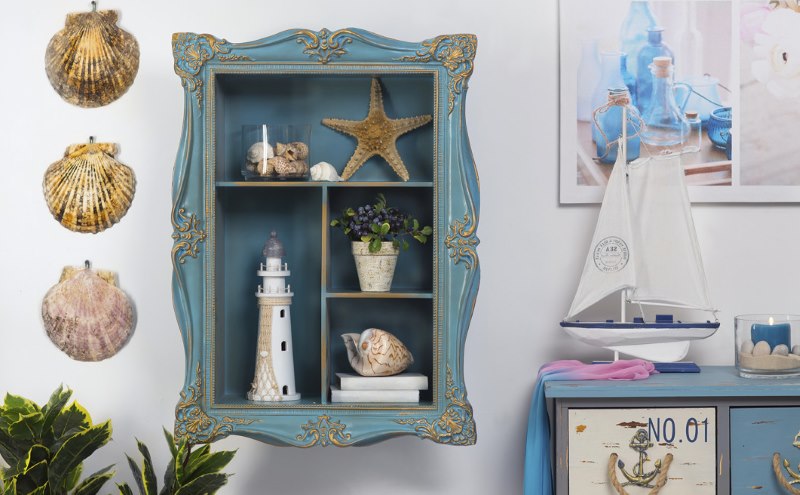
x: 707, y: 433
x: 221, y: 222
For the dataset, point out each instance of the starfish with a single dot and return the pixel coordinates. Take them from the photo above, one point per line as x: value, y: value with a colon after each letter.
x: 377, y: 134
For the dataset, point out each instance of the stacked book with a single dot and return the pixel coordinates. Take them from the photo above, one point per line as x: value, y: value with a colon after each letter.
x: 404, y: 387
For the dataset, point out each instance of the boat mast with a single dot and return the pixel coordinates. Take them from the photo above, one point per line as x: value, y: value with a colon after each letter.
x: 622, y: 147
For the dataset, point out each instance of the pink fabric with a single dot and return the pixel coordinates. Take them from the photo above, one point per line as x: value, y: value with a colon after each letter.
x: 633, y: 369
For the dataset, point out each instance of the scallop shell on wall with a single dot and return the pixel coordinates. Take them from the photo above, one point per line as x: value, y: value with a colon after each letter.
x: 92, y: 62
x: 86, y: 315
x: 376, y: 352
x: 89, y: 190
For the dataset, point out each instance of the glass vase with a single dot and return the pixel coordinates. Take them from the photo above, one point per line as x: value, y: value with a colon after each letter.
x: 767, y: 345
x: 665, y: 123
x: 644, y: 77
x: 633, y: 32
x: 611, y: 77
x: 276, y: 152
x: 610, y: 122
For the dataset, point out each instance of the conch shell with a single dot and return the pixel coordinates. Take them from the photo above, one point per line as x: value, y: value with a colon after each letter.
x: 324, y: 171
x: 88, y: 190
x: 86, y: 315
x: 376, y: 353
x: 92, y: 62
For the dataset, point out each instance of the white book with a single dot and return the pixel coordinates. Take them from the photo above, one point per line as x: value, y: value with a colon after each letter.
x: 403, y: 381
x: 373, y: 395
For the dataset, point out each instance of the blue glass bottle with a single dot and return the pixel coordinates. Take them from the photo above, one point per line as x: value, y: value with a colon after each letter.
x: 644, y: 77
x: 633, y: 33
x: 611, y: 124
x: 630, y: 80
x: 610, y: 77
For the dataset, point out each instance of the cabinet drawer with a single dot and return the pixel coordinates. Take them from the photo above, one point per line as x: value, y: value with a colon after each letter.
x: 681, y: 440
x: 757, y: 433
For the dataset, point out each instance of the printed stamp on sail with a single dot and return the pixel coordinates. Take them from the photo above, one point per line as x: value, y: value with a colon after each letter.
x: 611, y: 254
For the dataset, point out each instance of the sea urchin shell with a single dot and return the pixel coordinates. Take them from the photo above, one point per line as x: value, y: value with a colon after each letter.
x: 92, y: 62
x: 86, y: 315
x: 88, y: 190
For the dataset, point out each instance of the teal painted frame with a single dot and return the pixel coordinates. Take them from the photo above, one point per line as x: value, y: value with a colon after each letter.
x: 449, y: 419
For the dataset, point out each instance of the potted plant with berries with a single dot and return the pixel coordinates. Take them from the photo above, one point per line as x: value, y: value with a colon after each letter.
x: 378, y: 232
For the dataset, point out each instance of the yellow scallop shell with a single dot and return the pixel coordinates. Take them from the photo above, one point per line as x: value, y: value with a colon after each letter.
x: 92, y: 62
x: 88, y: 190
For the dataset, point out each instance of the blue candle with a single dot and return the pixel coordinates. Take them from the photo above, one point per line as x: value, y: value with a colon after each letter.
x: 773, y: 334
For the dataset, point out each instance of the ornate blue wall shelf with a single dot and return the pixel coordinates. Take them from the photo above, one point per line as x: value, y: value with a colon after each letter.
x: 221, y: 222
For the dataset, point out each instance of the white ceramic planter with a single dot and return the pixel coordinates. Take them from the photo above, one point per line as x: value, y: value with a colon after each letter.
x: 375, y: 270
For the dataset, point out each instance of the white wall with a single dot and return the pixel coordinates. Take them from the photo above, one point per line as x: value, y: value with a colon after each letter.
x: 531, y: 248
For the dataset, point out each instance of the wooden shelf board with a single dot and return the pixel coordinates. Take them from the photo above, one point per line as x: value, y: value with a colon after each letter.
x: 300, y: 183
x: 239, y: 403
x: 357, y: 294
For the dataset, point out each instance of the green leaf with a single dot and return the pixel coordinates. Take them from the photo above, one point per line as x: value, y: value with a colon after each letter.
x: 350, y: 212
x: 28, y: 427
x: 375, y: 245
x: 211, y: 463
x: 42, y: 490
x: 77, y: 448
x: 34, y: 476
x: 405, y: 245
x: 137, y: 475
x: 374, y: 228
x: 421, y: 238
x: 427, y: 230
x: 124, y: 489
x: 173, y: 449
x: 10, y: 488
x: 51, y: 410
x: 148, y: 474
x: 10, y: 450
x: 208, y: 483
x: 169, y: 477
x: 366, y: 238
x: 334, y: 222
x: 73, y: 477
x: 385, y: 228
x: 93, y: 484
x: 347, y: 230
x: 416, y: 224
x: 74, y: 417
x: 19, y: 404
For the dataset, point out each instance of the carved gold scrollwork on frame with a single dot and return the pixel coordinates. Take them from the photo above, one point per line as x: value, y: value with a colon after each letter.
x: 324, y: 45
x: 324, y: 432
x: 192, y: 51
x: 456, y: 53
x: 455, y: 426
x: 792, y: 483
x: 187, y: 235
x: 462, y: 241
x: 192, y: 423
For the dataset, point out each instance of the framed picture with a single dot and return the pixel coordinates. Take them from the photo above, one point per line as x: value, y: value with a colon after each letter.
x: 735, y: 64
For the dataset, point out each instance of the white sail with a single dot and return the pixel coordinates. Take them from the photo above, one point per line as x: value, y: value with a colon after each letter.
x: 609, y: 265
x: 669, y: 268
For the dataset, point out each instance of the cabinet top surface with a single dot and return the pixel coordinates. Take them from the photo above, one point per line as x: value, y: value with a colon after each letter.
x: 712, y: 381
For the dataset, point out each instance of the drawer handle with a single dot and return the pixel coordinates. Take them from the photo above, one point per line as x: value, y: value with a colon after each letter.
x: 776, y: 467
x: 639, y: 477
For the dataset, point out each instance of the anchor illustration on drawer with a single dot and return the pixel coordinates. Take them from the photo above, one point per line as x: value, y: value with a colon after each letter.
x: 794, y: 476
x: 639, y: 475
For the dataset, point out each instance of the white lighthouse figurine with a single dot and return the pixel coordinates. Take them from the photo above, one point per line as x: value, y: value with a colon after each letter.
x: 274, y: 380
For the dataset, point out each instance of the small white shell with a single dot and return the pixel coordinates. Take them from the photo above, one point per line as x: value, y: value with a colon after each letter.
x: 256, y: 152
x: 376, y: 353
x: 747, y: 347
x: 86, y: 315
x: 762, y: 348
x: 796, y: 350
x: 781, y: 350
x: 324, y: 171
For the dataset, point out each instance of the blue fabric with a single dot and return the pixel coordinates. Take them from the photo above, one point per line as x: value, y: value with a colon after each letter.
x: 538, y: 465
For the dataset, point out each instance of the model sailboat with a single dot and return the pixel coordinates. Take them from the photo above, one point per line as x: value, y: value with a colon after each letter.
x: 644, y: 247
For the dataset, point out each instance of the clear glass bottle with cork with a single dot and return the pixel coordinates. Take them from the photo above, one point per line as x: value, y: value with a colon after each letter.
x: 695, y: 137
x: 665, y: 124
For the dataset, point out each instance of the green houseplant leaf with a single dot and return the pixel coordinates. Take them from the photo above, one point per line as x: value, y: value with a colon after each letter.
x: 45, y: 447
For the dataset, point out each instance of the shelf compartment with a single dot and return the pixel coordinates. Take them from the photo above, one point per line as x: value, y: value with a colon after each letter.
x: 410, y: 320
x: 307, y: 99
x: 414, y: 272
x: 244, y: 219
x: 357, y: 294
x: 344, y: 184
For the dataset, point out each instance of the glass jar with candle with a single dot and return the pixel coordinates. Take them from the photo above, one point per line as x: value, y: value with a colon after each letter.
x: 767, y: 346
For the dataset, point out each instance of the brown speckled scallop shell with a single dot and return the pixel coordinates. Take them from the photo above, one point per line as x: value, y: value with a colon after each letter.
x: 86, y: 315
x: 88, y: 190
x: 92, y: 62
